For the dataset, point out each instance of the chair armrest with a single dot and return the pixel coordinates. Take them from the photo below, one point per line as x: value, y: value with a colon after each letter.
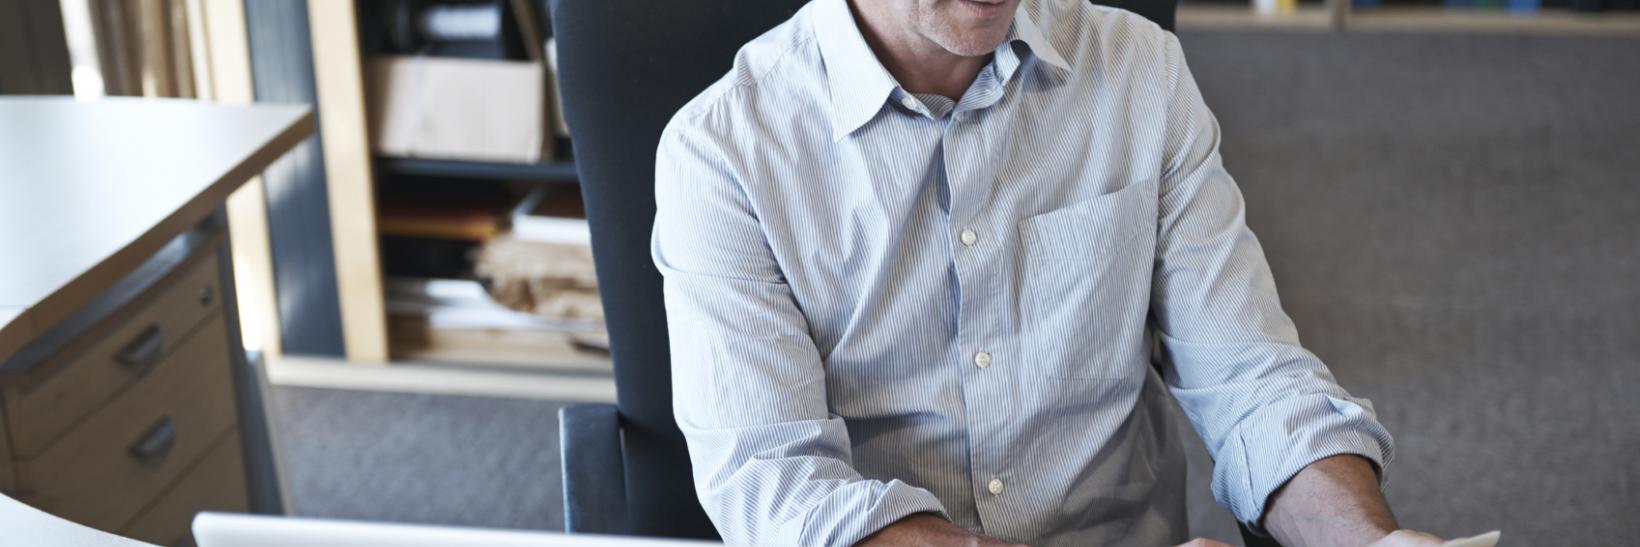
x: 594, y: 469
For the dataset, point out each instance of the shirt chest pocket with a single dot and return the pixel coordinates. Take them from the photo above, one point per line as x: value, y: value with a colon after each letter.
x: 1085, y: 285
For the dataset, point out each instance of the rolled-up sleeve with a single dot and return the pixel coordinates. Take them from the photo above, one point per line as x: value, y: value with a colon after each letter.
x: 772, y: 466
x: 1264, y: 405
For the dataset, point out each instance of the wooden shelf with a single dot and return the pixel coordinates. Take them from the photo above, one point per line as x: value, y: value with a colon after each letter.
x: 456, y: 322
x: 495, y: 349
x: 556, y: 172
x: 1547, y: 21
x: 1233, y: 16
x: 1411, y: 19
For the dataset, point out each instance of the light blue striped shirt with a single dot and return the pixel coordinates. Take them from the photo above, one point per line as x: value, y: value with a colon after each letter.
x: 879, y: 309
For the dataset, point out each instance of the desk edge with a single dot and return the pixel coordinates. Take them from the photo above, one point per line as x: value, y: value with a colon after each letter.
x: 38, y: 317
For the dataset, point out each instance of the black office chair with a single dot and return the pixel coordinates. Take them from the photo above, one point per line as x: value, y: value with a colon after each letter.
x: 625, y: 66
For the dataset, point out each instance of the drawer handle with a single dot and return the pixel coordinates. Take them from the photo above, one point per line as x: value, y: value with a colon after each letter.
x: 141, y: 353
x: 157, y: 442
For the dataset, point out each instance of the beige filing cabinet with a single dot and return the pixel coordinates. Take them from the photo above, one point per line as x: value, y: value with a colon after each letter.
x: 126, y: 401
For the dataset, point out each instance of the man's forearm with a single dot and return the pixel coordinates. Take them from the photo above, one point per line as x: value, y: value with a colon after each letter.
x: 1334, y: 501
x: 928, y: 529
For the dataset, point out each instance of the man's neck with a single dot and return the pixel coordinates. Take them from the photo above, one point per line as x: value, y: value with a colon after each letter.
x: 917, y: 63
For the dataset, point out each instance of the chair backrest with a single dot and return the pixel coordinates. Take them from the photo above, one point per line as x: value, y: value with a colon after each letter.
x: 1158, y: 11
x: 625, y: 66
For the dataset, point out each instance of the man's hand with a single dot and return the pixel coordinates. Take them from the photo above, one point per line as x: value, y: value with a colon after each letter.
x: 927, y: 529
x: 1407, y: 538
x: 1398, y: 538
x: 1336, y: 501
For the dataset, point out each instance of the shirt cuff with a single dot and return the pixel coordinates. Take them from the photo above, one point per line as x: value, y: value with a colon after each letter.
x: 859, y: 509
x: 1279, y: 440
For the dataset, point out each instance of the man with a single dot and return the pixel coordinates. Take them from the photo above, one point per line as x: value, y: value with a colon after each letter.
x: 915, y: 254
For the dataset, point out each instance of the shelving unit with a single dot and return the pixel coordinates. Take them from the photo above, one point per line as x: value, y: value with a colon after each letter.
x: 1547, y: 21
x: 379, y: 330
x: 1239, y: 16
x: 1338, y: 15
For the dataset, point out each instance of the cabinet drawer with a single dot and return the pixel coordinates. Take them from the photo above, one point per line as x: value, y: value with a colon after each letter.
x: 144, y: 333
x: 115, y: 462
x: 216, y: 483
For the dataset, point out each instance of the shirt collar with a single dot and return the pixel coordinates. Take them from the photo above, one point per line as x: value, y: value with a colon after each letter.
x: 857, y: 81
x: 1030, y: 32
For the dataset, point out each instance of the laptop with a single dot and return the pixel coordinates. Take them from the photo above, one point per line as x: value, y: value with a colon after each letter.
x: 236, y: 530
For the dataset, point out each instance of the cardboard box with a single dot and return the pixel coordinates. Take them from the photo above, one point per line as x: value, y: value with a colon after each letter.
x: 460, y: 109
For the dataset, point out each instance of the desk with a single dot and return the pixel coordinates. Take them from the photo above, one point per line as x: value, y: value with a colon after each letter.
x: 26, y: 525
x: 126, y: 401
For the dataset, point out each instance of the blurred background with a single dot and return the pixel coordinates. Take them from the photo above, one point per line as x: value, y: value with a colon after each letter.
x: 1447, y: 192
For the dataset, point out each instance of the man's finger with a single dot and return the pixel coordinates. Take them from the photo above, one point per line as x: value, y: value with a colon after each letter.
x: 1202, y: 542
x: 1409, y: 538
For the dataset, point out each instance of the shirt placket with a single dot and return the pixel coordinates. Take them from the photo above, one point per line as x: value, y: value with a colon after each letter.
x: 978, y: 252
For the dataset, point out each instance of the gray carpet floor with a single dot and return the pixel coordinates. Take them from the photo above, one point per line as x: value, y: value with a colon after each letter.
x: 1454, y: 223
x: 431, y: 459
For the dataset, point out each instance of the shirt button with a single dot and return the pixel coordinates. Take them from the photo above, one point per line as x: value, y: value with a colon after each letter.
x: 995, y: 487
x: 909, y: 102
x: 982, y: 360
x: 969, y: 238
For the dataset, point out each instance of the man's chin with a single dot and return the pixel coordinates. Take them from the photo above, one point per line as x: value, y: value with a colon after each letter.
x: 973, y: 46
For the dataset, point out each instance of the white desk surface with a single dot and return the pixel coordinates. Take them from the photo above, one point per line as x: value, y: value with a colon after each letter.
x: 24, y: 525
x: 90, y: 189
